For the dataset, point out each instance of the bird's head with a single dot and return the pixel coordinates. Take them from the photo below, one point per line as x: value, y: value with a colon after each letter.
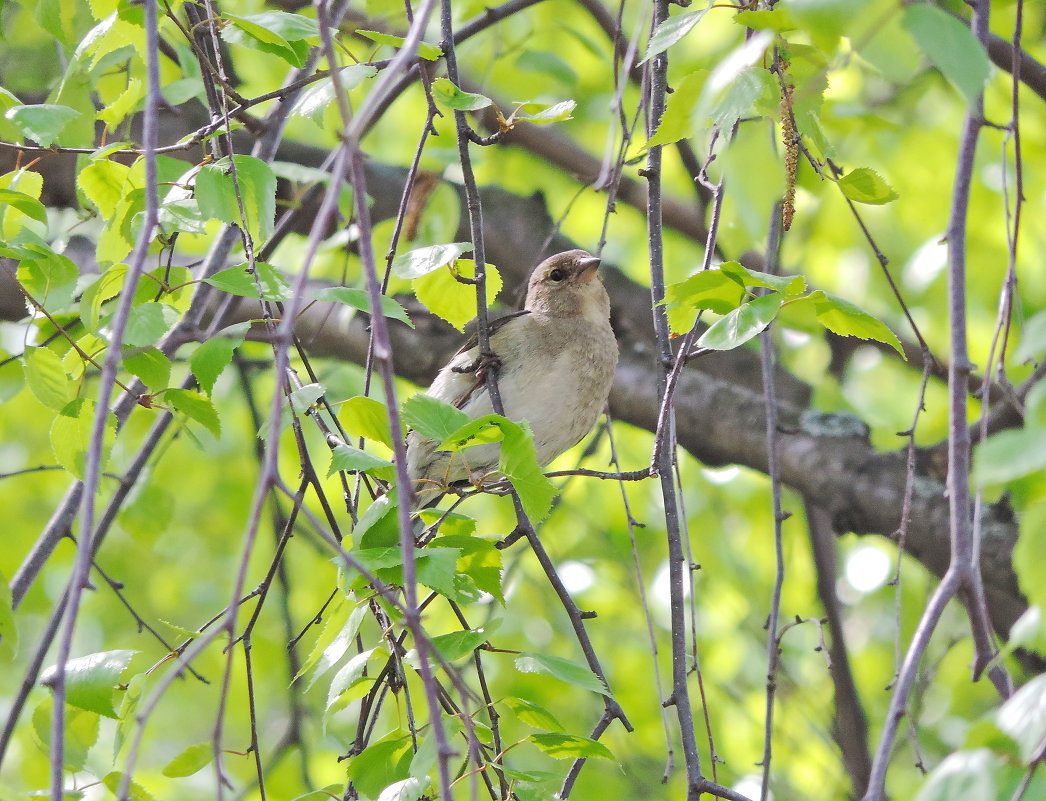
x: 568, y: 284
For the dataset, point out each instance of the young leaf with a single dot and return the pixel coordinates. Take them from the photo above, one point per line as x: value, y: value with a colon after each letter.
x: 866, y: 186
x: 50, y: 279
x: 381, y: 764
x: 450, y: 299
x: 71, y: 435
x: 350, y: 675
x: 672, y: 30
x: 316, y: 98
x: 189, y: 761
x: 360, y: 299
x: 791, y: 286
x: 480, y: 560
x: 336, y: 649
x: 81, y: 733
x: 541, y: 114
x: 453, y: 646
x: 447, y: 94
x: 742, y: 323
x: 196, y: 407
x: 427, y: 51
x: 951, y: 46
x: 533, y: 714
x: 241, y: 281
x: 570, y: 746
x: 419, y: 262
x: 1033, y: 339
x: 147, y: 323
x: 677, y: 121
x: 432, y: 418
x: 279, y: 33
x: 348, y: 458
x: 409, y: 789
x: 216, y: 190
x: 27, y: 205
x: 150, y: 365
x: 213, y: 356
x: 562, y: 669
x: 367, y: 418
x: 844, y: 318
x: 90, y: 681
x: 47, y: 379
x: 1008, y: 455
x: 42, y: 123
x: 115, y: 780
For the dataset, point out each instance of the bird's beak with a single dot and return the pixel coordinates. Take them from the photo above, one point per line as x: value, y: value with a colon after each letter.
x: 588, y: 268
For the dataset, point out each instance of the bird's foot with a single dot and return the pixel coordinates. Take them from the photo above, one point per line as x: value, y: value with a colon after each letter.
x: 484, y: 363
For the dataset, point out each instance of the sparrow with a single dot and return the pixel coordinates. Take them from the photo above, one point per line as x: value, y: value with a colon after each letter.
x: 555, y: 364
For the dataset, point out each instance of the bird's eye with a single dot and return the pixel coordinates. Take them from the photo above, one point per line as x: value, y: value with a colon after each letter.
x: 557, y: 275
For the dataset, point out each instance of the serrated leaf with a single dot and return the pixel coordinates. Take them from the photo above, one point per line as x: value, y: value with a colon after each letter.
x: 743, y: 323
x: 71, y: 435
x: 216, y: 189
x: 196, y: 407
x: 450, y: 299
x: 562, y: 669
x: 148, y: 322
x: 543, y: 114
x: 350, y: 459
x: 447, y: 94
x: 81, y: 733
x: 436, y: 568
x: 421, y: 261
x: 90, y: 681
x: 672, y: 30
x: 43, y: 123
x: 381, y: 764
x: 791, y: 286
x: 432, y: 418
x: 150, y: 365
x: 714, y: 290
x: 135, y: 792
x: 951, y: 46
x: 777, y: 20
x: 866, y: 186
x: 360, y: 299
x: 427, y: 51
x: 107, y: 287
x: 50, y: 279
x: 315, y: 99
x: 243, y: 282
x: 189, y: 761
x: 570, y: 746
x: 27, y: 205
x: 47, y: 378
x: 280, y: 33
x: 844, y: 318
x: 480, y: 560
x: 337, y: 648
x: 213, y: 356
x: 367, y: 418
x: 533, y: 714
x: 677, y: 121
x: 1008, y: 455
x: 347, y: 677
x: 451, y: 647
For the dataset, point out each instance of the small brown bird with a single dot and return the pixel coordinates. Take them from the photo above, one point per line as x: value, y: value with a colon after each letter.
x: 557, y: 359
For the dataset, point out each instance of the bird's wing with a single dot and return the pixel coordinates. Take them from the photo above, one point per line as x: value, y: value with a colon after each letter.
x: 492, y: 328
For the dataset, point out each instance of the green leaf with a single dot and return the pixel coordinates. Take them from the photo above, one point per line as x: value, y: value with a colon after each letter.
x: 447, y: 94
x: 844, y: 318
x: 196, y: 407
x: 742, y: 323
x: 315, y: 99
x: 791, y: 286
x: 379, y: 525
x: 866, y: 186
x: 90, y: 681
x: 367, y: 418
x: 148, y: 322
x: 189, y: 761
x: 349, y: 677
x: 115, y: 780
x: 277, y: 32
x: 570, y: 746
x: 213, y: 356
x: 1008, y: 455
x: 71, y: 435
x: 451, y: 647
x: 950, y: 46
x: 677, y: 121
x: 409, y: 789
x: 216, y: 192
x: 672, y: 30
x: 450, y: 299
x: 542, y: 114
x: 328, y: 793
x: 1033, y: 339
x: 350, y: 459
x: 107, y: 287
x: 533, y: 714
x: 427, y: 51
x: 562, y: 669
x: 50, y: 279
x: 433, y: 418
x: 47, y: 379
x: 339, y: 646
x: 480, y: 560
x: 436, y: 568
x: 150, y: 365
x: 381, y: 764
x: 26, y: 204
x: 81, y: 733
x: 337, y: 618
x: 545, y: 62
x: 8, y: 626
x: 419, y: 262
x: 243, y: 282
x: 42, y: 123
x: 751, y: 86
x: 777, y: 20
x: 962, y: 776
x: 360, y: 299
